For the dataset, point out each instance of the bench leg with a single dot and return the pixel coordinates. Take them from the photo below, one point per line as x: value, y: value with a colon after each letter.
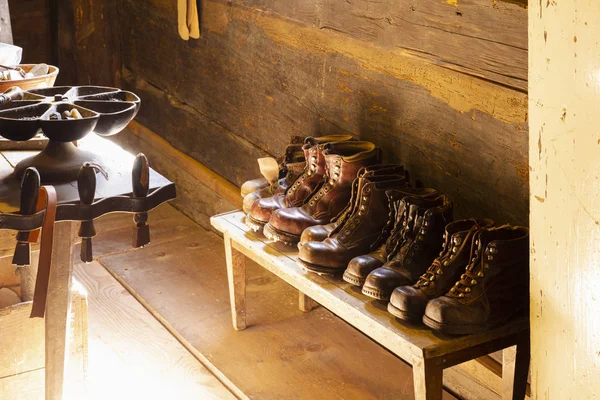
x: 58, y: 319
x: 305, y: 303
x: 515, y: 368
x: 236, y: 275
x: 427, y: 378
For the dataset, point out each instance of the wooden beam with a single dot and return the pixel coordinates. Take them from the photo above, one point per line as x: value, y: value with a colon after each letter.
x: 179, y: 160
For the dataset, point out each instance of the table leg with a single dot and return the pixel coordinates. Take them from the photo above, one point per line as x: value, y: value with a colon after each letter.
x: 236, y: 275
x: 427, y: 378
x: 515, y: 369
x: 58, y: 310
x: 305, y: 303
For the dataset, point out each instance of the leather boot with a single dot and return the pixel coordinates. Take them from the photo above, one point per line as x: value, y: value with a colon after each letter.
x: 408, y: 302
x: 293, y: 153
x: 414, y: 255
x: 291, y: 166
x: 343, y: 161
x: 357, y: 234
x: 318, y: 233
x: 493, y: 289
x: 401, y: 222
x: 295, y: 195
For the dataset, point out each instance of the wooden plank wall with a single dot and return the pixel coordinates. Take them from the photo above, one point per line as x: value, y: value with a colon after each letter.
x: 440, y: 84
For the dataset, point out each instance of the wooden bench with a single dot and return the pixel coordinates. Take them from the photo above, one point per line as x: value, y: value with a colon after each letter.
x: 429, y: 353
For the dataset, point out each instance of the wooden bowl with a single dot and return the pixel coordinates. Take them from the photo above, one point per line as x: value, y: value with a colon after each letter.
x: 32, y: 83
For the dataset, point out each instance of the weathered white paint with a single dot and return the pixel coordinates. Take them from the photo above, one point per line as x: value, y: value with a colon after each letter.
x: 564, y: 154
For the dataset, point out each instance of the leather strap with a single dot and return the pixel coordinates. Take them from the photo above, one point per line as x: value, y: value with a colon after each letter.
x: 47, y: 200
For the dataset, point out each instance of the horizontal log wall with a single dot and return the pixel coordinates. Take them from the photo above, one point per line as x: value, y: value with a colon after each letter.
x: 439, y: 84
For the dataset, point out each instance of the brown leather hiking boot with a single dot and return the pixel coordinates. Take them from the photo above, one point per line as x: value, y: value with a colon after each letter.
x: 400, y: 221
x: 493, y: 289
x: 318, y: 233
x: 291, y: 166
x: 416, y: 253
x: 293, y: 153
x: 343, y: 160
x: 357, y: 233
x: 408, y: 302
x: 295, y: 195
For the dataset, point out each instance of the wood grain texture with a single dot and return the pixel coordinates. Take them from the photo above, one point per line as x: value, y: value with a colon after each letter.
x: 259, y: 78
x: 201, y: 192
x: 305, y: 350
x: 29, y: 385
x: 57, y: 318
x: 131, y: 350
x: 31, y: 26
x: 88, y: 43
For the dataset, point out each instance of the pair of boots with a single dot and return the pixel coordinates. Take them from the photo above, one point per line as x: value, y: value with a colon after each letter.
x: 409, y: 245
x: 490, y: 290
x: 288, y: 168
x: 327, y: 249
x: 318, y: 195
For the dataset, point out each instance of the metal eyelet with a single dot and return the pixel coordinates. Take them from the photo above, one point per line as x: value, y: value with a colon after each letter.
x: 439, y: 271
x: 468, y: 290
x: 486, y: 266
x: 473, y: 282
x: 490, y: 258
x: 461, y: 295
x: 480, y: 274
x: 446, y: 263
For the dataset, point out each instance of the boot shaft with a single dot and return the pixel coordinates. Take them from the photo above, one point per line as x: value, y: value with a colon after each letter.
x: 455, y: 255
x: 498, y: 270
x: 344, y: 161
x: 370, y: 212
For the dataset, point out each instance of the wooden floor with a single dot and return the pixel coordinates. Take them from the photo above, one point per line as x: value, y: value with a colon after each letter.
x: 131, y: 355
x: 284, y: 354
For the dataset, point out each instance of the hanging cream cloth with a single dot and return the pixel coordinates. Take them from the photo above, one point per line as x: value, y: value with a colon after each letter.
x: 187, y: 19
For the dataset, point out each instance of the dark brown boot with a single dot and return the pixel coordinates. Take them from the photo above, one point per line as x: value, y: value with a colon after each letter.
x: 415, y: 255
x: 357, y: 234
x: 318, y: 233
x: 398, y: 228
x: 493, y: 289
x: 343, y: 160
x: 408, y: 302
x: 291, y: 166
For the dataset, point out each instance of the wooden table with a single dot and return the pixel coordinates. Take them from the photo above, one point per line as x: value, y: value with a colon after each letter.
x: 118, y: 164
x: 428, y: 353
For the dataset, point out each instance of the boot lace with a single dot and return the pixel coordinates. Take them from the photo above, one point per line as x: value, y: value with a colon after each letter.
x: 438, y: 265
x: 473, y: 272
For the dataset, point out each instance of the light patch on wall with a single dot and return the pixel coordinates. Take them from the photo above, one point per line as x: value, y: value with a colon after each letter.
x: 452, y: 2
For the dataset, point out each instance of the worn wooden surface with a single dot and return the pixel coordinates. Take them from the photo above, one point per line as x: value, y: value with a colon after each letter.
x: 274, y: 320
x: 133, y: 352
x: 265, y: 70
x: 22, y: 360
x: 31, y: 25
x: 185, y: 281
x: 201, y: 193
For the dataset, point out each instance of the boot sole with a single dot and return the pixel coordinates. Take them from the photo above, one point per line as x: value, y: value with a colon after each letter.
x: 279, y: 236
x: 254, y: 224
x: 375, y: 293
x: 353, y: 279
x: 457, y: 329
x: 403, y: 315
x: 318, y: 269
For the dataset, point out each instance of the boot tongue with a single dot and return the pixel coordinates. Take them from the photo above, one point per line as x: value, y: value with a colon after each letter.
x: 329, y: 148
